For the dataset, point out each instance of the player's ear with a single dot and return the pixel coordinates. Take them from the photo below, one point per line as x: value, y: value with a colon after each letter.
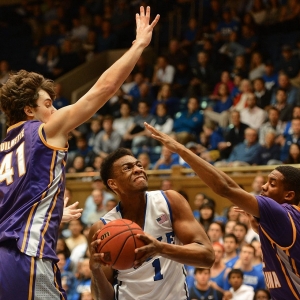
x: 290, y: 196
x: 111, y: 183
x: 28, y: 111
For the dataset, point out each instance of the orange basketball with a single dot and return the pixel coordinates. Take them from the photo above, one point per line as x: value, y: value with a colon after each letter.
x: 118, y: 242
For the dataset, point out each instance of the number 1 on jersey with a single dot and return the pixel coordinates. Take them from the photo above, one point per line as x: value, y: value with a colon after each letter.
x: 156, y: 266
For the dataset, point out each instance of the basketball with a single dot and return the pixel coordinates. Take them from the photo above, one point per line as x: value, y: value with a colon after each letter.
x: 118, y: 242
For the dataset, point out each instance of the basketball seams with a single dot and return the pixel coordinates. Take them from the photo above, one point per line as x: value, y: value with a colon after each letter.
x: 120, y: 248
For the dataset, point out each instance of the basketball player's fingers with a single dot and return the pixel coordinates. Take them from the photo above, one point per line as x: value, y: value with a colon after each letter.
x: 66, y: 201
x: 154, y: 22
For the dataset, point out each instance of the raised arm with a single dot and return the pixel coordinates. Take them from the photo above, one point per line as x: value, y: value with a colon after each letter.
x: 217, y: 180
x: 196, y: 249
x: 110, y: 81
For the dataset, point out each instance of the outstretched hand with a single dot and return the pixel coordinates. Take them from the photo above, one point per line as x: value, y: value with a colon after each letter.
x: 166, y: 140
x: 143, y: 28
x: 71, y: 212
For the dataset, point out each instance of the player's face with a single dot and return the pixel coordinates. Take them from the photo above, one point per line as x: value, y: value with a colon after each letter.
x: 45, y: 107
x: 274, y: 187
x: 130, y: 174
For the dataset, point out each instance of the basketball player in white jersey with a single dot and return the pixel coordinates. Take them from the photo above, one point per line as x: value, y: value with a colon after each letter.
x: 173, y: 237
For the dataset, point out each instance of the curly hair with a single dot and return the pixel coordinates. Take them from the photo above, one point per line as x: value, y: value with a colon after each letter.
x: 106, y: 171
x: 291, y: 180
x: 21, y: 90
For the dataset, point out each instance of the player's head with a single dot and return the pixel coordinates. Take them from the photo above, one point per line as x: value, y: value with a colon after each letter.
x: 235, y: 278
x: 283, y: 185
x: 19, y: 95
x: 120, y: 170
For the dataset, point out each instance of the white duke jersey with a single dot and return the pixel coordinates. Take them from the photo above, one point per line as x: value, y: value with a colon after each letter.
x: 159, y: 278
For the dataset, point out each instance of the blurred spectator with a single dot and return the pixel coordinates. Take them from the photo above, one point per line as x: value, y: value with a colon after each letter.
x: 175, y: 53
x: 291, y: 91
x: 209, y: 140
x: 122, y: 23
x: 230, y: 256
x: 77, y: 237
x: 188, y: 124
x: 144, y: 158
x: 252, y: 115
x: 165, y: 96
x: 125, y: 121
x: 215, y: 232
x: 294, y: 154
x: 224, y: 79
x: 238, y: 290
x: 100, y: 210
x: 219, y: 271
x: 248, y: 39
x: 88, y: 47
x: 190, y: 34
x: 4, y: 71
x: 288, y: 124
x: 289, y: 64
x: 164, y: 72
x: 243, y: 154
x: 95, y: 128
x: 68, y: 60
x: 293, y: 138
x: 47, y: 59
x: 232, y: 48
x: 226, y: 26
x: 257, y: 184
x: 270, y: 151
x: 281, y: 104
x: 111, y: 204
x: 252, y: 276
x: 202, y: 286
x: 142, y: 66
x: 207, y: 214
x: 79, y: 31
x: 166, y: 161
x: 258, y: 11
x: 162, y: 121
x: 60, y: 100
x: 240, y: 66
x: 204, y: 75
x: 136, y: 135
x: 262, y: 294
x: 262, y: 94
x: 78, y: 165
x: 221, y: 103
x: 233, y: 135
x: 182, y: 79
x: 107, y: 140
x: 89, y: 205
x: 83, y: 281
x: 106, y: 39
x: 270, y: 76
x: 257, y: 66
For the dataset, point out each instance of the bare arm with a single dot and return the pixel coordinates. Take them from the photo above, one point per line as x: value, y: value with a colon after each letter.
x: 217, y: 180
x: 102, y: 276
x: 196, y: 249
x: 68, y: 118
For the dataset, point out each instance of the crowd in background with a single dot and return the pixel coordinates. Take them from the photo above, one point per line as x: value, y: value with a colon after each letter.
x: 226, y: 84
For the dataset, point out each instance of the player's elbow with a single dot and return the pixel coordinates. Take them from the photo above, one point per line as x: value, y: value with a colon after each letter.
x: 209, y: 258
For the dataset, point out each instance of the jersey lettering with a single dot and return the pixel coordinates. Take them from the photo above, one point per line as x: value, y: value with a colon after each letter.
x: 6, y: 169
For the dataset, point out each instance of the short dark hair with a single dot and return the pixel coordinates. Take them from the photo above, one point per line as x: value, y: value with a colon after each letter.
x: 230, y: 235
x: 241, y: 224
x: 200, y: 270
x: 291, y: 179
x: 106, y: 166
x: 236, y: 271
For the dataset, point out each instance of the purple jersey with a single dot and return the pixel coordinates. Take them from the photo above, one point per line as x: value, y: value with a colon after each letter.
x: 278, y: 231
x: 32, y: 183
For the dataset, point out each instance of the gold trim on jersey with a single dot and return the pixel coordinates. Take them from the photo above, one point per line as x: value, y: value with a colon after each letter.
x: 45, y: 142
